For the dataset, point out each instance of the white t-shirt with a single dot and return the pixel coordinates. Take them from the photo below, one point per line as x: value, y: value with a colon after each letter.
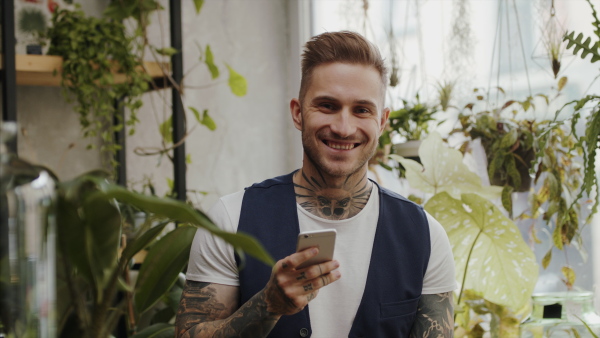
x: 213, y: 261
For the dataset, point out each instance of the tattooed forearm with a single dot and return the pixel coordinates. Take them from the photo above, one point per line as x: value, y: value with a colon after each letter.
x: 435, y: 317
x: 205, y: 312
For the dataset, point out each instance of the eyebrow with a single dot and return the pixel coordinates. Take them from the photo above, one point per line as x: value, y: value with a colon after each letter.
x: 331, y: 98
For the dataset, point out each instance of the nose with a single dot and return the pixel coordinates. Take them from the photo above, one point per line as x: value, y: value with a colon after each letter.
x: 342, y: 124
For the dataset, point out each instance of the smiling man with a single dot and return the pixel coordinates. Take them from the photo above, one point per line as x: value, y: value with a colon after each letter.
x: 393, y: 271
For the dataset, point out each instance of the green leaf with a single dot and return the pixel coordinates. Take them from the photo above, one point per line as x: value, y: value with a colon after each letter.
x: 208, y: 60
x: 196, y: 114
x: 102, y: 237
x: 569, y: 275
x: 507, y: 191
x: 442, y: 169
x: 167, y: 51
x: 70, y: 231
x: 205, y: 120
x: 198, y: 4
x: 208, y: 121
x: 183, y: 213
x: 547, y: 258
x: 161, y: 267
x: 237, y: 83
x: 161, y: 330
x: 509, y: 139
x: 166, y: 130
x: 142, y: 241
x: 489, y: 246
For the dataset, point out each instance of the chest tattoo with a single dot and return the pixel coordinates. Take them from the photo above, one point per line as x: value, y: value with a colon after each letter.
x: 334, y: 203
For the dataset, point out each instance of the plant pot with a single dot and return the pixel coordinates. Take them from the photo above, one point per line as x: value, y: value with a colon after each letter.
x: 408, y: 149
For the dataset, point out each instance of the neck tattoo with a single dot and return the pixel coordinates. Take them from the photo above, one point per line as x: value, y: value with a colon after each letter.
x: 316, y: 196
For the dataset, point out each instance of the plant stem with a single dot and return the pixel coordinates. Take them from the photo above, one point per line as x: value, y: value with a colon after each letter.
x: 98, y: 328
x: 462, y: 286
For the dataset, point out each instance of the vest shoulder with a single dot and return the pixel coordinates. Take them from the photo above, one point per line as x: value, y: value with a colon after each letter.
x: 268, y: 183
x: 397, y: 197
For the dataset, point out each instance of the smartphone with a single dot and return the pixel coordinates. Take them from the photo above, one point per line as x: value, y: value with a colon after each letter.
x: 324, y: 240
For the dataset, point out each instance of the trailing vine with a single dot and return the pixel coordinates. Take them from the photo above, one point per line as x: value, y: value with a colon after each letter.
x: 94, y: 50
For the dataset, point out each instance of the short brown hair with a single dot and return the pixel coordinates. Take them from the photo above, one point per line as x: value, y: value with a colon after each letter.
x: 345, y: 47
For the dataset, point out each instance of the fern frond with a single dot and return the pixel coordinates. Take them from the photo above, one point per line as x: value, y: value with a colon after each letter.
x: 587, y: 47
x: 596, y: 22
x: 592, y: 136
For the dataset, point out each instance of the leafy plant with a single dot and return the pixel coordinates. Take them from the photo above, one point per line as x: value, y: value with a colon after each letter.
x: 411, y: 122
x: 32, y: 21
x: 589, y: 140
x: 93, y: 50
x: 522, y: 150
x: 94, y: 266
x: 493, y: 262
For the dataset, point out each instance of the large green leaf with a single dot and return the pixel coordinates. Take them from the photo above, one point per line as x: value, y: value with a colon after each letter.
x: 442, y: 169
x: 161, y: 330
x: 103, y: 236
x: 183, y: 213
x: 501, y: 267
x: 161, y: 267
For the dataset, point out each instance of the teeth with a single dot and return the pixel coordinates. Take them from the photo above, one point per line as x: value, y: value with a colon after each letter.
x: 341, y: 146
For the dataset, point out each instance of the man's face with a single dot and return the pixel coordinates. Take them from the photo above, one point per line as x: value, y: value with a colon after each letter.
x: 341, y: 118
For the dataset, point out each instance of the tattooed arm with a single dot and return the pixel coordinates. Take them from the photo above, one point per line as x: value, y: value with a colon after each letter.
x: 209, y: 310
x: 435, y: 317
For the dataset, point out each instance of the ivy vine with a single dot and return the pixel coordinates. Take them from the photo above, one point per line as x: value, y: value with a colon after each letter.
x: 94, y: 50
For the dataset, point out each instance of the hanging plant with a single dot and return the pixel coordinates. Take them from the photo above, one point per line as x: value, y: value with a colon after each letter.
x: 93, y: 51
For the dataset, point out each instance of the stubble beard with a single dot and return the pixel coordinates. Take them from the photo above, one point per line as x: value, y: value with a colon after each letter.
x: 332, y: 169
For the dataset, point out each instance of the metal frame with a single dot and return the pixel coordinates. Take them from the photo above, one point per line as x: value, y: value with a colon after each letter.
x: 179, y: 166
x: 9, y: 73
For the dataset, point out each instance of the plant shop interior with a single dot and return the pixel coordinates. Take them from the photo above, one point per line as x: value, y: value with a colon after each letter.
x: 124, y: 121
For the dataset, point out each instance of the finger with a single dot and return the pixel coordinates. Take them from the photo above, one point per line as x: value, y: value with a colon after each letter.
x: 317, y: 270
x: 322, y: 281
x: 300, y: 257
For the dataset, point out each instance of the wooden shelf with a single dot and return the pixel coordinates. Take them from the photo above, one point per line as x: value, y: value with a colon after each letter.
x: 39, y: 70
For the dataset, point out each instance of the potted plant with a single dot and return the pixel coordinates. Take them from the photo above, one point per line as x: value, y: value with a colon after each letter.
x: 95, y: 257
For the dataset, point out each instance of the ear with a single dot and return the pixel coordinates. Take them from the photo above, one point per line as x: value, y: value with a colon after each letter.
x: 296, y: 112
x: 385, y: 114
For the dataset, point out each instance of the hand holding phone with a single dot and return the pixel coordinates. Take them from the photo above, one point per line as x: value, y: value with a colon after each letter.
x: 324, y: 240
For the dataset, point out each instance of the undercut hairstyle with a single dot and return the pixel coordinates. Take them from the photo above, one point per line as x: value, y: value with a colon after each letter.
x: 345, y: 47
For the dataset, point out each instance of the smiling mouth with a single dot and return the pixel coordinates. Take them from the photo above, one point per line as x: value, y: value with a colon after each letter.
x: 341, y: 146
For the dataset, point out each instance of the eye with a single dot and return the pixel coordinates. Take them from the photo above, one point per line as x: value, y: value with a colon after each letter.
x: 362, y: 110
x: 327, y: 106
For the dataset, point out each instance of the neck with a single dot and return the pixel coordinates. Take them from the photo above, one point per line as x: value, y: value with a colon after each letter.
x: 332, y: 198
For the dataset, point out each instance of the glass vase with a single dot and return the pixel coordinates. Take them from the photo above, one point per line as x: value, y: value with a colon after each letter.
x: 27, y: 245
x: 562, y: 314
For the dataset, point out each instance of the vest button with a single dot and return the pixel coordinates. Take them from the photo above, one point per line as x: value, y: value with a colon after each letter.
x: 303, y: 332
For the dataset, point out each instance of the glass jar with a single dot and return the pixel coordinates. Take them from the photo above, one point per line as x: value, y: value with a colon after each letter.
x: 27, y: 245
x: 562, y: 314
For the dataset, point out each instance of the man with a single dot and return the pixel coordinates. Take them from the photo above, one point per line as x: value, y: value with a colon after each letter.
x: 392, y: 273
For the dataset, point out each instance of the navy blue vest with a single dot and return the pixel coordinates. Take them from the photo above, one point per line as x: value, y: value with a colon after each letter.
x: 398, y: 261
